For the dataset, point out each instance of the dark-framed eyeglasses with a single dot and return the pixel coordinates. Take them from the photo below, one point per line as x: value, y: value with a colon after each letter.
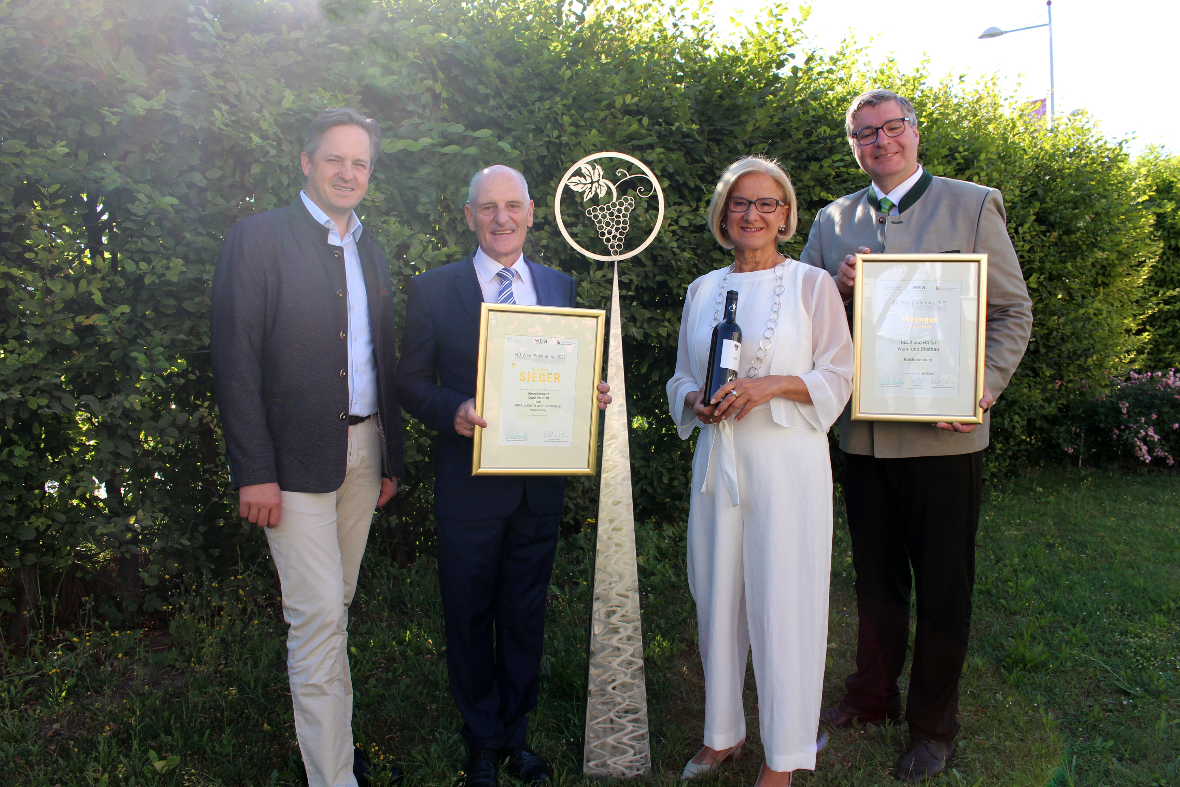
x: 763, y: 204
x: 892, y: 128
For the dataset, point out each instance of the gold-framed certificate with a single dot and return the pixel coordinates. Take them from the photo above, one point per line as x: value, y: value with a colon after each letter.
x: 537, y: 388
x: 918, y: 330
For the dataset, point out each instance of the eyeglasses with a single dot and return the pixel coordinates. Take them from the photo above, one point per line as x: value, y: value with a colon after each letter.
x: 892, y: 128
x: 763, y: 204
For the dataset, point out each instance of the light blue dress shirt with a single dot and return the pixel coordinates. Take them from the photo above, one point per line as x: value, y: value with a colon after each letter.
x: 524, y: 292
x: 362, y: 368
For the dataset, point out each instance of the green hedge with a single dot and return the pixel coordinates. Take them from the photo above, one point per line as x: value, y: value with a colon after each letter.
x: 1160, y: 175
x: 134, y: 133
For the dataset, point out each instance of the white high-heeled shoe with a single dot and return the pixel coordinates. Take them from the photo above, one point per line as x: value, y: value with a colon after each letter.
x: 694, y: 769
x: 765, y: 768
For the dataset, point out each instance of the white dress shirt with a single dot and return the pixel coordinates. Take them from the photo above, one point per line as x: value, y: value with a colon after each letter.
x: 362, y: 368
x: 524, y: 292
x: 899, y: 192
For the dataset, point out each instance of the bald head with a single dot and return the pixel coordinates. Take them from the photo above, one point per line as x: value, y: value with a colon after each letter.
x: 477, y: 178
x: 499, y: 212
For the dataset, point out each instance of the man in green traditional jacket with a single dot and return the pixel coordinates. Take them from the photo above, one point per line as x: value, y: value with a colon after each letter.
x: 913, y: 490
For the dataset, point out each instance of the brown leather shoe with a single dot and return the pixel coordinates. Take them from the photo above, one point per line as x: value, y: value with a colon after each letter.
x: 925, y: 759
x: 844, y: 715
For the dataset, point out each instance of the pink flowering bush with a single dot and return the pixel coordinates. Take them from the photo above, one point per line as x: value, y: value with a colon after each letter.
x: 1139, y: 419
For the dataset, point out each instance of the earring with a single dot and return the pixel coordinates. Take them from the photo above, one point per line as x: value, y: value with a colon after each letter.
x: 782, y: 228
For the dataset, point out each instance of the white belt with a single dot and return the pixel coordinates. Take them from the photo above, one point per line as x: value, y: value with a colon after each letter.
x: 726, y: 463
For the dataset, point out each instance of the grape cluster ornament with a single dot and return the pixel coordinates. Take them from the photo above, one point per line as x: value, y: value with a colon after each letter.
x: 612, y: 223
x: 617, y: 742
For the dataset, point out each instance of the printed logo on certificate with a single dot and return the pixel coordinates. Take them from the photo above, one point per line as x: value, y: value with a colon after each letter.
x: 540, y: 378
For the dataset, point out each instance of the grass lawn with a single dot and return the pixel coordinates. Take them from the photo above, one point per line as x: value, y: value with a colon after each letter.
x: 1073, y: 677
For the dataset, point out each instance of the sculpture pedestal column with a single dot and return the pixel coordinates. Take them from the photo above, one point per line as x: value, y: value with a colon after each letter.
x: 617, y: 740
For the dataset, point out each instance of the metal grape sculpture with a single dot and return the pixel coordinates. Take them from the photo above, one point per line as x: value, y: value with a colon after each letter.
x: 616, y: 741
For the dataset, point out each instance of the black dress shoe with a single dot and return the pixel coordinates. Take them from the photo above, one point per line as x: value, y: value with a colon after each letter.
x: 360, y: 767
x: 482, y: 769
x: 844, y: 715
x: 526, y: 765
x: 925, y: 759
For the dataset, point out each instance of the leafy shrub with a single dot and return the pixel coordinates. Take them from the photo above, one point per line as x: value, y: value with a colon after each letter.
x: 134, y: 133
x: 1138, y: 420
x: 1161, y: 183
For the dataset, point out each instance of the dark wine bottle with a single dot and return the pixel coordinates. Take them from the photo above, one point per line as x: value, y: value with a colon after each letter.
x: 725, y: 350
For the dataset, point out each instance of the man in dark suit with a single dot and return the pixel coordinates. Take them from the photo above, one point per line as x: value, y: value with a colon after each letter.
x: 913, y: 490
x: 304, y: 367
x: 497, y: 535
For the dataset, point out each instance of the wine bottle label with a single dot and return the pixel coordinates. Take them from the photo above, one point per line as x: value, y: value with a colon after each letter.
x: 730, y: 355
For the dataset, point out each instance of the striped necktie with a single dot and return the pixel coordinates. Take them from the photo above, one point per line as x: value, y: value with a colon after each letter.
x: 505, y: 293
x: 887, y: 205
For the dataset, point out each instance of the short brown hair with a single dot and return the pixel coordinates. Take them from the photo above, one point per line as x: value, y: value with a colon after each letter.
x: 341, y: 116
x: 871, y: 98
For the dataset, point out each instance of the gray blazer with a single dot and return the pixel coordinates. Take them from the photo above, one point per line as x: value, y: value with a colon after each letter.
x: 937, y: 215
x: 280, y: 353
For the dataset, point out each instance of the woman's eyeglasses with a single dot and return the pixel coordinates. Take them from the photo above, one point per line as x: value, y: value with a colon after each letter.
x: 763, y: 204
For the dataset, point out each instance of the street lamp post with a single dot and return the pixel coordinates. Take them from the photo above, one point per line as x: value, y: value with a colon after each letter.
x: 993, y: 32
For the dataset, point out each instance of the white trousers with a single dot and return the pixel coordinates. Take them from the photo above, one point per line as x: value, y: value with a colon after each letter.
x: 759, y: 574
x: 317, y: 548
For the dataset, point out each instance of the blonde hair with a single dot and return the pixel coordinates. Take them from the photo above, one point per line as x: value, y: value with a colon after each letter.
x: 744, y: 166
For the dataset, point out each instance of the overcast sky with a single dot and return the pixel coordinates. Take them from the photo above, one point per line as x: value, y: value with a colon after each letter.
x: 1118, y: 60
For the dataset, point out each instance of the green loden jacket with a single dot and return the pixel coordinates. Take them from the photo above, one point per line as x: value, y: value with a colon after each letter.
x: 938, y: 215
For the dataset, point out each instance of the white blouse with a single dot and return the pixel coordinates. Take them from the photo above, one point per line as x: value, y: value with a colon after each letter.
x: 811, y: 341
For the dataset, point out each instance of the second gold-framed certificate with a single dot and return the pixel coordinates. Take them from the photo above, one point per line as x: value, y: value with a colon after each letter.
x: 537, y: 388
x: 918, y: 333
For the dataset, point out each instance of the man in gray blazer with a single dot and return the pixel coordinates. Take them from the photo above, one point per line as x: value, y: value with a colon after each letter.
x: 304, y: 367
x: 913, y: 490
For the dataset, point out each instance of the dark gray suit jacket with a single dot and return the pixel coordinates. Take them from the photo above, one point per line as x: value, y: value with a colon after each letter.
x: 440, y: 354
x: 280, y: 352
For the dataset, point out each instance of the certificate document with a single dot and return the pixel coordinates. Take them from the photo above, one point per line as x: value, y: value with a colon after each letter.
x: 918, y: 339
x: 540, y: 378
x: 537, y: 388
x: 918, y: 335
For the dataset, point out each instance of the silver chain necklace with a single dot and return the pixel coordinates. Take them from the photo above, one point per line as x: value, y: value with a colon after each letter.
x: 768, y: 335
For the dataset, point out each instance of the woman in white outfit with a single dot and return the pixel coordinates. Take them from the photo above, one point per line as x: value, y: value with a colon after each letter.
x: 760, y: 517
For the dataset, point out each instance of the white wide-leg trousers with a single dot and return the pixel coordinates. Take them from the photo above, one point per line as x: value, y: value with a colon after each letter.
x: 317, y: 548
x: 759, y: 574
